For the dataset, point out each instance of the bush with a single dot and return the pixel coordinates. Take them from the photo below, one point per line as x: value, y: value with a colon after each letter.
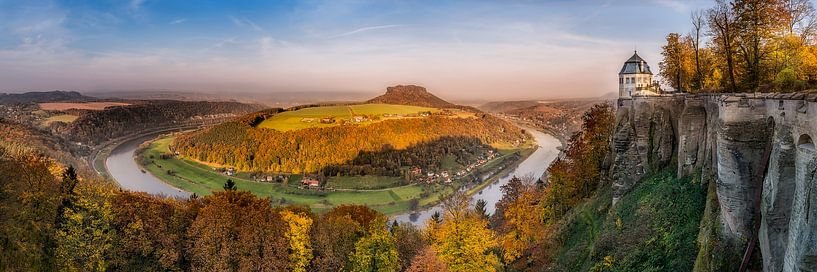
x: 787, y: 81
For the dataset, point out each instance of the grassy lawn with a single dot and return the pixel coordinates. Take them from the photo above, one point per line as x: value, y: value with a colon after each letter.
x: 65, y: 118
x: 363, y: 182
x: 310, y: 117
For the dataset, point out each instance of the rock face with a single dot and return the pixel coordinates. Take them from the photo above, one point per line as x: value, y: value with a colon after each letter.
x: 726, y: 139
x: 778, y: 193
x: 410, y: 95
x: 643, y: 142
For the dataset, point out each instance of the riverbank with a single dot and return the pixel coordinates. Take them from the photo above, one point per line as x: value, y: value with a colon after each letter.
x: 533, y: 165
x: 101, y: 152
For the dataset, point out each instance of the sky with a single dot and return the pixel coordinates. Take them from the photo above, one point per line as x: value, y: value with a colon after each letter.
x: 493, y: 50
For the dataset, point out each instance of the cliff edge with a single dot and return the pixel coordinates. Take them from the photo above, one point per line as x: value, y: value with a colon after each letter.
x: 754, y: 150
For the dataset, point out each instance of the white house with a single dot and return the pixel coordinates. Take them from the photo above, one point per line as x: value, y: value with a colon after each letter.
x: 635, y: 78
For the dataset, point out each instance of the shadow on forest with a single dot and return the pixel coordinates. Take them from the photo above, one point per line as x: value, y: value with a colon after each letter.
x: 430, y: 155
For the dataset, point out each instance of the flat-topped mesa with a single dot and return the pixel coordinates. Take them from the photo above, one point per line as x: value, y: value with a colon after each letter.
x: 755, y: 149
x: 412, y: 95
x: 406, y: 89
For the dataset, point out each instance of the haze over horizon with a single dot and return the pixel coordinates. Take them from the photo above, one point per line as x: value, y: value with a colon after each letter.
x: 456, y: 49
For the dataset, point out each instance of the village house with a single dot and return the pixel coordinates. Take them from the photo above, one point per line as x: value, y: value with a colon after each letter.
x: 360, y: 118
x: 311, y: 182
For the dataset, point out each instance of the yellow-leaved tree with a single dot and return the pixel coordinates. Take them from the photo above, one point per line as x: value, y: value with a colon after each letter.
x: 376, y: 251
x: 300, y: 248
x: 463, y: 240
x: 524, y: 222
x: 84, y: 235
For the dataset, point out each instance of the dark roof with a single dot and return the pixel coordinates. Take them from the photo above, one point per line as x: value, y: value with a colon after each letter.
x: 635, y: 65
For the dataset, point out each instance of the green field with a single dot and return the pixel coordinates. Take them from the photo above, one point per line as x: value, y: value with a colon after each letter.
x: 65, y: 118
x: 311, y: 117
x: 364, y: 182
x: 385, y: 194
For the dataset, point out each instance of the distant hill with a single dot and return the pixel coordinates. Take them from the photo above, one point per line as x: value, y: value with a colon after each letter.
x: 411, y: 95
x: 503, y: 106
x: 98, y: 126
x: 42, y: 97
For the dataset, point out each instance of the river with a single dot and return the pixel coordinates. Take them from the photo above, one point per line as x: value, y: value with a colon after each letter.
x: 123, y: 168
x: 535, y: 165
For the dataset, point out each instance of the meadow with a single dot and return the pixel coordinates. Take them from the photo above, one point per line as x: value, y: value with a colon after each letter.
x: 311, y: 117
x: 64, y: 118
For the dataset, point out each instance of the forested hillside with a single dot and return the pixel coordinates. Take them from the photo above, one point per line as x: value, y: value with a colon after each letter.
x: 99, y: 126
x: 41, y: 97
x: 248, y: 148
x: 21, y: 139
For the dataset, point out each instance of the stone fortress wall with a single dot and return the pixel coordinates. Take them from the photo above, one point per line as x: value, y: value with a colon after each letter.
x: 758, y: 150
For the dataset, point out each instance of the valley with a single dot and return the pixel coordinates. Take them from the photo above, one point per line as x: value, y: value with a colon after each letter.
x: 390, y: 165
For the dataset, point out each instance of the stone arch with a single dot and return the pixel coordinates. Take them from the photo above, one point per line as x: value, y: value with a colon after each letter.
x: 805, y: 142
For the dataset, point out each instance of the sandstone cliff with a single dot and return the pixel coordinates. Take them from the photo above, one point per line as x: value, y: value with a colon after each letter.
x: 756, y: 149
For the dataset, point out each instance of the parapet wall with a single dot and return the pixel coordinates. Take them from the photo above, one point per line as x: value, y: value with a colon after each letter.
x: 756, y: 148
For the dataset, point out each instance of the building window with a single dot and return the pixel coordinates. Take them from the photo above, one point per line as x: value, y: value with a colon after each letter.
x: 621, y: 80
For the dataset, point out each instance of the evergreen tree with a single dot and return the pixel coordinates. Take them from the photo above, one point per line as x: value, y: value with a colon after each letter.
x: 230, y: 185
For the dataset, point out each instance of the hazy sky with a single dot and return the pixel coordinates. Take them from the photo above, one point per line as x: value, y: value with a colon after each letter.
x: 457, y: 49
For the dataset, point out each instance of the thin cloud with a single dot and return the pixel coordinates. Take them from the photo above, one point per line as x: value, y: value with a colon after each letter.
x: 566, y: 36
x: 246, y: 23
x: 178, y: 21
x: 365, y: 29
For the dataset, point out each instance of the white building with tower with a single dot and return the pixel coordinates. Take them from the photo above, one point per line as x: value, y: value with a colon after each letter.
x: 635, y: 79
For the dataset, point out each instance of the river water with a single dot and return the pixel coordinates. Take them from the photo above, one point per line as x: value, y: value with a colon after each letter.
x: 123, y: 168
x: 535, y: 165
